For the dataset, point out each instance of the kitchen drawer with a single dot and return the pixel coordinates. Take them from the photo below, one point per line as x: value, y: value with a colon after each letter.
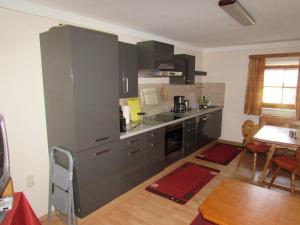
x: 190, y: 122
x: 133, y: 166
x: 132, y: 141
x: 96, y: 180
x: 154, y: 134
x: 189, y: 132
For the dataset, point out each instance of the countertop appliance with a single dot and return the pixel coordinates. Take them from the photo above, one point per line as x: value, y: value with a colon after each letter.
x: 179, y: 106
x: 187, y: 105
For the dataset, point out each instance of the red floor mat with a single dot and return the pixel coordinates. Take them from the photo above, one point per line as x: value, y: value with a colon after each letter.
x: 199, y: 220
x: 220, y: 153
x: 183, y: 183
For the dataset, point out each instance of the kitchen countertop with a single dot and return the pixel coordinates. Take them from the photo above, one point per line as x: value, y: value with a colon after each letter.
x: 150, y: 124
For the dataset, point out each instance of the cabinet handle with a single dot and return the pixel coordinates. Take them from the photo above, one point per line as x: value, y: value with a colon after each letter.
x: 133, y: 152
x: 127, y: 89
x: 204, y: 118
x: 154, y: 144
x: 100, y: 139
x: 132, y: 141
x: 124, y: 86
x: 101, y: 152
x: 188, y: 122
x: 153, y: 134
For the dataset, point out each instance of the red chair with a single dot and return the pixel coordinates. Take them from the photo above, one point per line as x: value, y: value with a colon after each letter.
x: 290, y: 164
x: 248, y: 130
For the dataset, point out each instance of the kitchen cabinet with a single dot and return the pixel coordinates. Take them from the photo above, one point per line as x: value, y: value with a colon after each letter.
x: 185, y: 64
x: 80, y: 77
x: 154, y: 55
x: 98, y: 177
x: 133, y: 167
x: 143, y: 156
x: 218, y: 123
x: 128, y: 70
x: 154, y: 152
x: 208, y: 127
x: 132, y: 161
x: 189, y: 136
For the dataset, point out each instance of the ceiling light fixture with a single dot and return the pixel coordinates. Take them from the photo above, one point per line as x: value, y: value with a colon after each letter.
x: 237, y: 12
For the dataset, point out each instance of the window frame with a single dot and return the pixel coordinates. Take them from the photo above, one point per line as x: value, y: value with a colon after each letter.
x: 275, y: 105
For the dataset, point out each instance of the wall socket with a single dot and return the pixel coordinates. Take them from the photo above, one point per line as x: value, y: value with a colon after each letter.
x: 30, y: 180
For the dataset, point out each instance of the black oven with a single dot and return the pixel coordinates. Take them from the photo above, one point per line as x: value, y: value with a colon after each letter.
x: 173, y: 142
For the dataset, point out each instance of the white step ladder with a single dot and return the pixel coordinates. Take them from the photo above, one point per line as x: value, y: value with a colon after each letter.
x: 61, y: 187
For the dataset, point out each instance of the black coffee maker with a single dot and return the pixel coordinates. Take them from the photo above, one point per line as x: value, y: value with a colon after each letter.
x: 179, y: 106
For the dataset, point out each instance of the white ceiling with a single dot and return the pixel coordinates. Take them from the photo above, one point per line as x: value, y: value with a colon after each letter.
x: 199, y: 23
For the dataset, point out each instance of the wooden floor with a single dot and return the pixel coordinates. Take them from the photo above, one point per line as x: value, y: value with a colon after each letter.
x: 140, y: 207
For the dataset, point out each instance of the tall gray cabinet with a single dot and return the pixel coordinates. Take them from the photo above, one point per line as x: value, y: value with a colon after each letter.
x: 80, y: 75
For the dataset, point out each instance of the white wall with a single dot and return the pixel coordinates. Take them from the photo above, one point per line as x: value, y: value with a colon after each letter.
x: 22, y: 100
x: 231, y: 67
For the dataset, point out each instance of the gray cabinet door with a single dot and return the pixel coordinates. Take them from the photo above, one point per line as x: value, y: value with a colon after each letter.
x: 189, y: 136
x: 80, y: 73
x: 128, y: 70
x: 154, y: 152
x: 218, y: 124
x: 98, y: 177
x: 133, y: 167
x: 95, y: 80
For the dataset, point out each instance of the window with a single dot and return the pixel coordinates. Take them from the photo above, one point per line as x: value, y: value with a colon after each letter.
x: 280, y: 84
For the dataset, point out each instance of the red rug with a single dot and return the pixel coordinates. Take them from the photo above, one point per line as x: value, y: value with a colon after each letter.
x: 199, y: 220
x: 220, y: 153
x: 183, y: 183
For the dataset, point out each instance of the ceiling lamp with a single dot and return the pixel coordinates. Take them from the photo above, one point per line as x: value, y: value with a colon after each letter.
x: 237, y: 12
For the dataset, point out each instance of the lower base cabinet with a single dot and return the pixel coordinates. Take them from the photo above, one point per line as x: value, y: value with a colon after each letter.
x: 154, y: 152
x: 97, y: 177
x: 132, y: 169
x: 189, y: 136
x: 208, y: 128
x: 142, y: 157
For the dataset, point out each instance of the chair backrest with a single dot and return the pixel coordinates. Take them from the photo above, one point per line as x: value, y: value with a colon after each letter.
x: 293, y: 124
x: 249, y: 128
x: 298, y: 155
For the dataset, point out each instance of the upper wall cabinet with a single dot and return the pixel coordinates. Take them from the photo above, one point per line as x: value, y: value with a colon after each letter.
x: 185, y: 64
x: 80, y: 74
x: 154, y: 55
x: 128, y: 70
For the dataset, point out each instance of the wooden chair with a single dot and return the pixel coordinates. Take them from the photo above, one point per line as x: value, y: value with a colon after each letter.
x: 290, y: 164
x: 248, y: 130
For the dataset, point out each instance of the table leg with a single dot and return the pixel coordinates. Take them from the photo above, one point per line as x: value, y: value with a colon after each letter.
x: 269, y: 158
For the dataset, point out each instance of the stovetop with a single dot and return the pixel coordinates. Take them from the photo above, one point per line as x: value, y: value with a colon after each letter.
x: 165, y: 117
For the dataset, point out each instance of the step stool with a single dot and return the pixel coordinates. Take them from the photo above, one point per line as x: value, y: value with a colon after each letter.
x: 61, y: 187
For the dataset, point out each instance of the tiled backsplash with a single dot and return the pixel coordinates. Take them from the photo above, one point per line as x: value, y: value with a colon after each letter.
x: 153, y: 102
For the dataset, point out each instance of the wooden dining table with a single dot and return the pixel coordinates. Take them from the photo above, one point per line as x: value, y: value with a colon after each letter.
x: 234, y: 202
x: 277, y: 137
